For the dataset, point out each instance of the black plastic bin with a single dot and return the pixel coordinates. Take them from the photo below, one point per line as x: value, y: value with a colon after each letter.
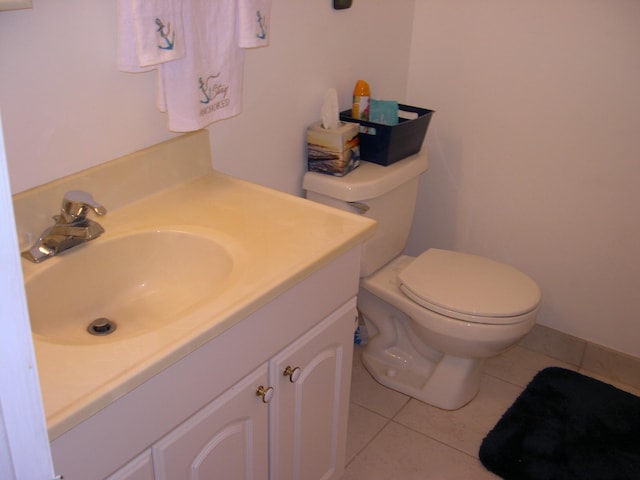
x: 391, y: 143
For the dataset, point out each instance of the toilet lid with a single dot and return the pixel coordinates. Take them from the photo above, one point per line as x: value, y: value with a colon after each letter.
x: 467, y: 286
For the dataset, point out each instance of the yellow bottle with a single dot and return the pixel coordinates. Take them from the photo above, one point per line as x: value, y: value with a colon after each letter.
x: 361, y: 97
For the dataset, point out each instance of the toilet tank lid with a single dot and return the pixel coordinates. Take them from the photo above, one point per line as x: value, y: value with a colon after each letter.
x: 469, y: 284
x: 369, y: 180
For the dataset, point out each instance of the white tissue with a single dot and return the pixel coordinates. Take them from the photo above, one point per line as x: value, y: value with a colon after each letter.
x: 330, y: 114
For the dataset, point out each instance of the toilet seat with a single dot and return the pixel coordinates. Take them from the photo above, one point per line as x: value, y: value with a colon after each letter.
x: 468, y: 287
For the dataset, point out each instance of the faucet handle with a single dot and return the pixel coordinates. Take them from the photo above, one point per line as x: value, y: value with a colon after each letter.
x: 76, y: 205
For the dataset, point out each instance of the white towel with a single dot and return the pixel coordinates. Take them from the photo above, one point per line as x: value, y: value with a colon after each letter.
x: 205, y: 85
x: 127, y: 51
x: 161, y: 96
x: 159, y: 30
x: 128, y: 54
x: 254, y: 17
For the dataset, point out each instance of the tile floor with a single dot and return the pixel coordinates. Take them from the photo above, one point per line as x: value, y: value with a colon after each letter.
x: 394, y: 437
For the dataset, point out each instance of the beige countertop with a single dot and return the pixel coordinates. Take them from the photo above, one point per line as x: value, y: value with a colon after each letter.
x: 277, y: 240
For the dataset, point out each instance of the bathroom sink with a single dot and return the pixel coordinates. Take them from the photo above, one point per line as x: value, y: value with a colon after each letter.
x: 136, y: 282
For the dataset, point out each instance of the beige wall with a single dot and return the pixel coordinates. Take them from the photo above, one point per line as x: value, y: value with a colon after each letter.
x: 66, y: 107
x: 535, y: 149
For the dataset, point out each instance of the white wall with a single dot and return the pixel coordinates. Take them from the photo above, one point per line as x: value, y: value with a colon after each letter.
x: 535, y: 149
x: 66, y: 107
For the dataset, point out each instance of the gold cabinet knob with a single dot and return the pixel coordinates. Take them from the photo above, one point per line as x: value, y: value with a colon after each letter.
x: 292, y: 373
x: 265, y: 392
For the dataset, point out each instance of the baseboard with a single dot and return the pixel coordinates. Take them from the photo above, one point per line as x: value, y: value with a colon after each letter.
x: 584, y: 355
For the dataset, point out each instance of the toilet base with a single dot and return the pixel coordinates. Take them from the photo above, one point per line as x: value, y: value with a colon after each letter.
x: 449, y: 383
x: 398, y: 359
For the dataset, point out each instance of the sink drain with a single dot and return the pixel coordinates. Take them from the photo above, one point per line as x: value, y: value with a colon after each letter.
x: 101, y: 327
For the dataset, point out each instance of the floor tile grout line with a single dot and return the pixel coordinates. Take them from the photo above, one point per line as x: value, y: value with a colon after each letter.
x: 368, y: 443
x: 422, y: 434
x: 505, y: 380
x: 453, y: 447
x: 369, y: 409
x: 581, y: 370
x: 388, y: 420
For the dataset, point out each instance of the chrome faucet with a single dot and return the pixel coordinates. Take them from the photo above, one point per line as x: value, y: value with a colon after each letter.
x: 71, y: 228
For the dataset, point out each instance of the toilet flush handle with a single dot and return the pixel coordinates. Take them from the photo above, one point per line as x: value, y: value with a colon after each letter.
x: 360, y: 207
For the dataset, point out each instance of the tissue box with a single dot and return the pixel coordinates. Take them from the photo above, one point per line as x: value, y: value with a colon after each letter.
x: 386, y: 144
x: 333, y: 151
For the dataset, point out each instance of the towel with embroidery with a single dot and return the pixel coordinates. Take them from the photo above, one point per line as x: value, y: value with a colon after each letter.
x: 254, y: 18
x: 206, y: 85
x: 159, y: 30
x: 128, y: 53
x: 141, y: 45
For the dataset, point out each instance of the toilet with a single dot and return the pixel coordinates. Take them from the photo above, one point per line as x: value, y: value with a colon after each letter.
x: 433, y: 319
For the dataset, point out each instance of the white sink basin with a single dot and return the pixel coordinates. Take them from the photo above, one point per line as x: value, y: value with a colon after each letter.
x: 140, y: 281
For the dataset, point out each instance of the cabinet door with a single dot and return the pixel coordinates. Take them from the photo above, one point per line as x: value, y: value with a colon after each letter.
x: 140, y: 468
x: 310, y: 408
x: 227, y: 439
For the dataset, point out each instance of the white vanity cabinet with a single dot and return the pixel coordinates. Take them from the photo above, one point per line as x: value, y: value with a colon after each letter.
x: 304, y: 396
x: 201, y: 417
x: 309, y: 413
x: 140, y: 468
x: 226, y: 439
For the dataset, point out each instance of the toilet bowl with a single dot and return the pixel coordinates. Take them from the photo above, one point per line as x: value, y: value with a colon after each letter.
x: 432, y: 319
x: 437, y: 356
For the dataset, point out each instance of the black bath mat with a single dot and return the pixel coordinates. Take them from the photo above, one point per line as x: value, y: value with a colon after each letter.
x: 566, y: 426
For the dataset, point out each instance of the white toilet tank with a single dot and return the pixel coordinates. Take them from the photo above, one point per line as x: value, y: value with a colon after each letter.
x: 385, y: 194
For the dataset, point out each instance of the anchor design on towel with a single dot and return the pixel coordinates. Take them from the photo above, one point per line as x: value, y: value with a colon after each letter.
x: 211, y: 91
x: 261, y: 22
x: 165, y: 35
